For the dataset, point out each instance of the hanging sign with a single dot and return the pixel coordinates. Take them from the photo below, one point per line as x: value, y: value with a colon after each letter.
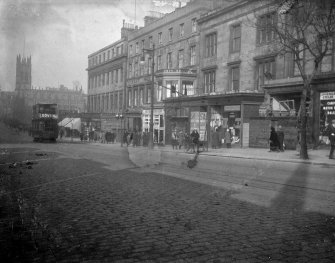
x: 327, y: 95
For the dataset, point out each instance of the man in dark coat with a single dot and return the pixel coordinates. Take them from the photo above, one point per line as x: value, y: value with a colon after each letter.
x: 195, y: 139
x: 274, y: 143
x: 330, y: 131
x: 280, y: 134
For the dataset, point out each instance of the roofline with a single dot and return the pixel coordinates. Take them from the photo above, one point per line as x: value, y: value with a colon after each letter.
x: 107, y: 47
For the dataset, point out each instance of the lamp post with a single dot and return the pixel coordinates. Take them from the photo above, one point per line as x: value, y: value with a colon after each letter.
x: 119, y: 116
x: 151, y: 127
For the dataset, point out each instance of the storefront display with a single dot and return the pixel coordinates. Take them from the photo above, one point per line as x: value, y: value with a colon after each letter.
x: 198, y: 122
x: 159, y: 124
x: 327, y: 111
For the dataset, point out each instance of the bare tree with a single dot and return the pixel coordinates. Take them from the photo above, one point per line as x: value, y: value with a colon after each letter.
x: 305, y: 29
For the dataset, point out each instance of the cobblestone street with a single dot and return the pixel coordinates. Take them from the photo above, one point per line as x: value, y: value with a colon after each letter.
x: 90, y: 213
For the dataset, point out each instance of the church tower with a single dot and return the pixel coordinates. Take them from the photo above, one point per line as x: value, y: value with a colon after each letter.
x: 23, y: 73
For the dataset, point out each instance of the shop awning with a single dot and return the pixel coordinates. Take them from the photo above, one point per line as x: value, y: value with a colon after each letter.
x: 72, y: 123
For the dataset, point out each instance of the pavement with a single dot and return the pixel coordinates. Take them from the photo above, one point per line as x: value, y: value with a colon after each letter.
x: 142, y: 156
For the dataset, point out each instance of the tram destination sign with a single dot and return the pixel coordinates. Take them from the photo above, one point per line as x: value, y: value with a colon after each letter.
x: 47, y: 115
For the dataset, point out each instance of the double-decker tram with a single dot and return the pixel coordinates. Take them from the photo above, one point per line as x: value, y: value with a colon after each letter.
x: 45, y: 122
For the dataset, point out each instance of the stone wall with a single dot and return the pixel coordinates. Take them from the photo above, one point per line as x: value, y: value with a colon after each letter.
x: 260, y: 131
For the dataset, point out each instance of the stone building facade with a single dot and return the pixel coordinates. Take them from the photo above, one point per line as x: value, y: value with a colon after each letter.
x: 227, y: 94
x: 226, y: 70
x: 172, y: 43
x: 106, y: 83
x: 242, y: 71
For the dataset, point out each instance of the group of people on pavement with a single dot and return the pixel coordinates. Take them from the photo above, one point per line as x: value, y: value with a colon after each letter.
x: 220, y: 138
x: 135, y: 138
x: 99, y: 136
x: 190, y: 142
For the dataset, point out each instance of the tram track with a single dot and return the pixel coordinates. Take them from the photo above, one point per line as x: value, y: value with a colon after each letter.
x: 242, y: 181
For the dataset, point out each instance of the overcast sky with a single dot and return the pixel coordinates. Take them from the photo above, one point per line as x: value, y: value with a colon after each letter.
x: 60, y: 34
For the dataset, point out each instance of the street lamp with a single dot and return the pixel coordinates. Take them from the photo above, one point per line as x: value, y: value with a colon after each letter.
x: 142, y: 61
x: 119, y: 116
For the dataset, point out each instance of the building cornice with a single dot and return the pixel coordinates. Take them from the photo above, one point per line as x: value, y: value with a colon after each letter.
x: 115, y: 44
x: 179, y: 13
x: 218, y: 12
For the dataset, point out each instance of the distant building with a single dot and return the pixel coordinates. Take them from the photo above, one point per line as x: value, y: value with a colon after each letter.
x: 23, y: 73
x: 6, y: 104
x: 69, y: 101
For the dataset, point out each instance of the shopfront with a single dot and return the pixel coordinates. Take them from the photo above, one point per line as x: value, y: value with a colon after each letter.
x: 224, y: 118
x: 159, y: 124
x: 213, y: 113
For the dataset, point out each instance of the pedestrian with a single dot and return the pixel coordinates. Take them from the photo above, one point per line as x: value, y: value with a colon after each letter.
x: 195, y: 140
x: 174, y: 140
x: 227, y: 138
x: 180, y: 139
x: 61, y: 133
x: 273, y: 140
x: 125, y: 138
x: 129, y: 138
x: 280, y: 134
x: 330, y: 131
x: 216, y: 139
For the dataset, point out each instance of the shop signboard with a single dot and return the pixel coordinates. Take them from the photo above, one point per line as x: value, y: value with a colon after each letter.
x: 232, y: 108
x: 327, y: 95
